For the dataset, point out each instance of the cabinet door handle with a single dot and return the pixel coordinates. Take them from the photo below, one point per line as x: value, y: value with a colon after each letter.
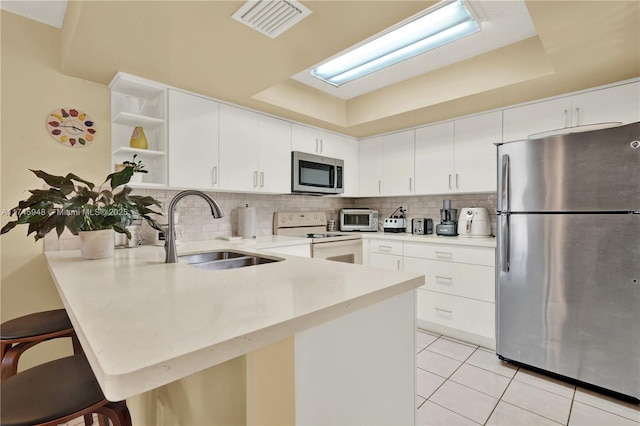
x: 379, y: 187
x: 255, y: 178
x: 317, y: 145
x: 321, y: 145
x: 398, y: 264
x: 214, y: 175
x: 261, y: 179
x: 449, y: 180
x: 410, y: 184
x: 566, y: 118
x: 577, y: 116
x: 444, y: 255
x: 457, y: 178
x: 444, y: 280
x: 384, y: 248
x: 445, y: 311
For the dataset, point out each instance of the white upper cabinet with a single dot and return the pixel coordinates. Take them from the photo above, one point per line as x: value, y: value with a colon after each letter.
x: 618, y: 103
x: 371, y: 166
x: 274, y: 163
x: 316, y: 141
x: 613, y: 104
x: 459, y: 155
x: 434, y: 159
x: 239, y: 149
x: 193, y: 141
x: 255, y: 152
x: 475, y: 152
x: 349, y: 153
x: 399, y: 154
x: 520, y: 122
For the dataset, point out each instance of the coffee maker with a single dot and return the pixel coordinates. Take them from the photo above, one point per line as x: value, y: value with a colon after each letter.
x: 448, y: 225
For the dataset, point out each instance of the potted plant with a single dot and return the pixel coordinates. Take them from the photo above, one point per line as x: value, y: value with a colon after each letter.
x: 138, y: 169
x: 92, y: 213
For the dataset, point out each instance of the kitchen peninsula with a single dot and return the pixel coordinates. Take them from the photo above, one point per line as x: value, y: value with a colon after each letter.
x: 347, y: 333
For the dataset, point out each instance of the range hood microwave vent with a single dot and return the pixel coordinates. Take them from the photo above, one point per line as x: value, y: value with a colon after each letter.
x: 271, y: 17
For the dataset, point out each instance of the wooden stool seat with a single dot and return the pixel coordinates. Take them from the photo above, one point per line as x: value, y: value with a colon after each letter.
x: 36, y: 325
x: 19, y: 334
x: 56, y: 392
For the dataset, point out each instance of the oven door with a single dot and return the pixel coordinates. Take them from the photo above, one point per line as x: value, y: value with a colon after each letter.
x: 349, y: 251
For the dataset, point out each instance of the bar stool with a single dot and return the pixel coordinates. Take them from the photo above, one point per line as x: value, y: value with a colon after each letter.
x: 19, y: 334
x: 56, y: 392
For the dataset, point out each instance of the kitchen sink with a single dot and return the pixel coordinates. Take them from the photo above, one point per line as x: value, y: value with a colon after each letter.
x: 219, y: 260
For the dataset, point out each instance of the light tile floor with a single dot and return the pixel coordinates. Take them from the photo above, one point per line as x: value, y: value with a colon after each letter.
x: 463, y: 384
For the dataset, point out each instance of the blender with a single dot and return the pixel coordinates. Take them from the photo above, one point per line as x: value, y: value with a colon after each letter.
x: 448, y: 225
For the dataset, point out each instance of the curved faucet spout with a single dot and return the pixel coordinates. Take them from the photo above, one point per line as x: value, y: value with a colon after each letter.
x: 170, y: 237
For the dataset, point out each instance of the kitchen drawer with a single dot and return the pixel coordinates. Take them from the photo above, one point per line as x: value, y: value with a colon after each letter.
x: 471, y: 316
x: 459, y: 279
x: 386, y: 261
x: 386, y: 247
x: 463, y: 254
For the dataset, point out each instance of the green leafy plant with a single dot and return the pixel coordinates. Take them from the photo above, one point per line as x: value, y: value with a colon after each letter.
x: 137, y: 166
x: 76, y: 204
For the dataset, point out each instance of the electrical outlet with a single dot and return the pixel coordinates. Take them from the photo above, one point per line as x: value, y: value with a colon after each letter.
x: 161, y: 413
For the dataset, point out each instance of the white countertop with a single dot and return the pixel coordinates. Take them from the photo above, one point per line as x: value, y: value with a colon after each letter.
x: 434, y: 239
x: 144, y: 323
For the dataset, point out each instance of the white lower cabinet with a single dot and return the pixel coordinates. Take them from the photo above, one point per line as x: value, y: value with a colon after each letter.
x: 458, y: 298
x: 466, y: 319
x: 386, y: 254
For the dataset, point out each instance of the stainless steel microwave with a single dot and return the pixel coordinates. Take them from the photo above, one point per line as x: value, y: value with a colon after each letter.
x: 315, y: 174
x: 364, y: 220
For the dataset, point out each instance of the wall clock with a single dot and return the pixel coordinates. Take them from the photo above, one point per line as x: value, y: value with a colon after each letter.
x: 71, y: 127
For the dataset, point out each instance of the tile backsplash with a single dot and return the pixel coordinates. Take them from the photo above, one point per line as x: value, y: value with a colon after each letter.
x: 196, y: 223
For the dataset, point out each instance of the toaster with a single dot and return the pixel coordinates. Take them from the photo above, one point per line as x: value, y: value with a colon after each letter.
x: 394, y: 224
x: 421, y: 226
x: 474, y: 222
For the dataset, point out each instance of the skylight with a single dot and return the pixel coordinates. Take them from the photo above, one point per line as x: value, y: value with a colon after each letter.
x: 439, y: 25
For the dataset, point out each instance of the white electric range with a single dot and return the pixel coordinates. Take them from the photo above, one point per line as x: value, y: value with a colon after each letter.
x: 336, y: 246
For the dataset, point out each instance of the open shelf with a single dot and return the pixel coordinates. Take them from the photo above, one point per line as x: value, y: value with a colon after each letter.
x: 130, y: 119
x: 142, y: 152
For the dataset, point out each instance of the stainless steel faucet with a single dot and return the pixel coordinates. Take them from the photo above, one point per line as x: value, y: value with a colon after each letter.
x: 170, y: 237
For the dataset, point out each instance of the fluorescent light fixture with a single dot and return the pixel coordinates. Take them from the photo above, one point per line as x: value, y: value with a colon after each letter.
x: 437, y: 26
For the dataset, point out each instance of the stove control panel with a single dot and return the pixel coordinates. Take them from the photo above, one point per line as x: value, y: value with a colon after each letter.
x: 297, y: 219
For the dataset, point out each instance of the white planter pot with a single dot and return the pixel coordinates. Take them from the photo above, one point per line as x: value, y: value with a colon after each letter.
x: 136, y: 178
x: 97, y: 244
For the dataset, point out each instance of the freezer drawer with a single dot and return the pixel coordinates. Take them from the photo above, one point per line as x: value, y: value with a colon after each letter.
x: 568, y: 298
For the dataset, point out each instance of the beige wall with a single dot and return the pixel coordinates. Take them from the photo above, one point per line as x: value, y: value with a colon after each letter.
x: 31, y: 87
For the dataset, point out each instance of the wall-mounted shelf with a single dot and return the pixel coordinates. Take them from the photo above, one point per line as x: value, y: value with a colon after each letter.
x: 137, y: 102
x: 131, y: 119
x: 143, y: 152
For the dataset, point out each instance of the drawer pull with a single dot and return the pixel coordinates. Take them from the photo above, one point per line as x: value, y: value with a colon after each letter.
x: 444, y: 255
x: 444, y: 280
x: 445, y: 311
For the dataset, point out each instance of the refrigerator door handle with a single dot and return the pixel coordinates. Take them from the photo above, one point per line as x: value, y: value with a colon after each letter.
x: 504, y: 255
x: 504, y: 194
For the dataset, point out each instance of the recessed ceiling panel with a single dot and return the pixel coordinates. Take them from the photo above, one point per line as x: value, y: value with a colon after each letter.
x: 503, y: 23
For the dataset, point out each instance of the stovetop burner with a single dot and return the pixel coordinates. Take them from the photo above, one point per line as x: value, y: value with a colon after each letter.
x: 328, y: 235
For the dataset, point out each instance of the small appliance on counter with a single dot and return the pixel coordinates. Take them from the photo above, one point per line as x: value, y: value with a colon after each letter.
x: 474, y: 222
x: 448, y: 225
x: 364, y: 220
x: 421, y: 226
x: 396, y: 222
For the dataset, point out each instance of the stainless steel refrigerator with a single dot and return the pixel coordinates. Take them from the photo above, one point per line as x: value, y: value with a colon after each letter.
x: 568, y: 256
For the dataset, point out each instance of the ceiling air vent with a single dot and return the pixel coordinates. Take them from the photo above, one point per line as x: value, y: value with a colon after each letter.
x: 271, y: 17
